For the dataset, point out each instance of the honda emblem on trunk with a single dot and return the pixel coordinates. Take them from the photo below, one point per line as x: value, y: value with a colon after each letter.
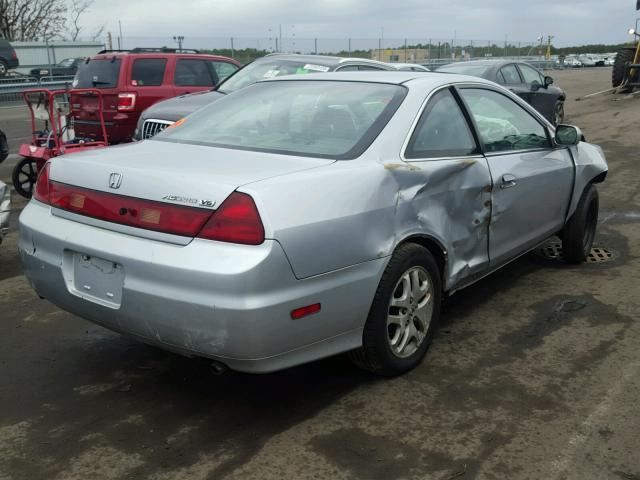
x: 115, y: 179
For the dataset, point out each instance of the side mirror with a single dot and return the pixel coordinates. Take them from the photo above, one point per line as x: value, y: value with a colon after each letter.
x: 548, y: 81
x: 535, y: 86
x: 568, y: 135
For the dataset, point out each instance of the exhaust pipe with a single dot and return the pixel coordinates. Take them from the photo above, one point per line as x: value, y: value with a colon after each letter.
x: 218, y: 368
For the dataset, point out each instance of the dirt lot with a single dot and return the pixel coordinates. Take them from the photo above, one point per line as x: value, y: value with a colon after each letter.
x: 534, y: 374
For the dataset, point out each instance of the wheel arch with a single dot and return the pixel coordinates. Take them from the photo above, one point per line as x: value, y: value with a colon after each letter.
x: 598, y: 178
x: 436, y: 249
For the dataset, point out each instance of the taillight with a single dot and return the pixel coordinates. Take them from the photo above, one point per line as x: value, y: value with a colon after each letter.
x: 41, y: 191
x: 134, y: 212
x: 126, y: 102
x: 14, y: 55
x: 236, y: 221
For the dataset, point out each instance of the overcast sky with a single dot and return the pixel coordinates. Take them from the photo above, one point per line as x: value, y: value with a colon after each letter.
x: 572, y: 22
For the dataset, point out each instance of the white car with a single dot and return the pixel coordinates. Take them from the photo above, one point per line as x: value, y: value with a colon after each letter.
x: 411, y: 67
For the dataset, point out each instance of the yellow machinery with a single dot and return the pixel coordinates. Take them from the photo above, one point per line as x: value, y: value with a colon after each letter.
x: 626, y: 67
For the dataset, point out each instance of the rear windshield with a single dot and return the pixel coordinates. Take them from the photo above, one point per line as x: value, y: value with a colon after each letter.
x: 99, y: 73
x: 262, y: 69
x: 308, y: 118
x: 474, y: 70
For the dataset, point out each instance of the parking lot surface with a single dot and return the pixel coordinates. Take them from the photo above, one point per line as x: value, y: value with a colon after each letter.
x: 534, y: 373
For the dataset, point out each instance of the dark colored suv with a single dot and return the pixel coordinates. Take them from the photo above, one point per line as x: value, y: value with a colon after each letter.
x: 158, y: 117
x: 8, y: 57
x: 131, y: 81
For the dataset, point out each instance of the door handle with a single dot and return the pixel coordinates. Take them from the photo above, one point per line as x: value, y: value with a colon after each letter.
x: 508, y: 181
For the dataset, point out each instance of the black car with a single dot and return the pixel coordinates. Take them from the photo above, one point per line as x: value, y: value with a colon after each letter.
x: 522, y: 79
x: 8, y: 57
x: 66, y: 67
x: 158, y: 116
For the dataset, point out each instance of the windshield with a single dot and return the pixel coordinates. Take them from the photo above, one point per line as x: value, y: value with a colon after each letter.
x: 474, y: 70
x: 307, y: 118
x: 270, y: 68
x: 67, y: 62
x: 99, y: 73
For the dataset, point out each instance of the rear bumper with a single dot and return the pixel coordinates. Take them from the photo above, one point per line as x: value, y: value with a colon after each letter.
x: 213, y: 299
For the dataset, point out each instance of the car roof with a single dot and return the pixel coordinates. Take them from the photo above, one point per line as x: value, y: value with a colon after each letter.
x: 108, y: 54
x: 324, y: 60
x: 397, y: 77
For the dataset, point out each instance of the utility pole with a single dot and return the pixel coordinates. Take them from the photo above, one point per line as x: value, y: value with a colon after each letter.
x: 120, y: 39
x: 109, y: 41
x: 231, y: 47
x: 280, y: 36
x: 179, y: 39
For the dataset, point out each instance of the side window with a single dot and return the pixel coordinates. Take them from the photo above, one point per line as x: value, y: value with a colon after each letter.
x: 442, y: 130
x: 530, y: 75
x: 510, y: 75
x: 192, y: 73
x: 148, y: 72
x: 348, y: 68
x: 223, y: 69
x: 503, y: 125
x: 368, y: 67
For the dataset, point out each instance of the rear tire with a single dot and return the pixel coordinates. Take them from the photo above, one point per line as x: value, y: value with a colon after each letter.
x: 24, y: 176
x: 624, y: 57
x: 579, y: 232
x: 4, y: 68
x: 403, y: 315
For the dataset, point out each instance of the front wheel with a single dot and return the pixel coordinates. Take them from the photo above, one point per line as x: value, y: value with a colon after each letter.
x: 24, y: 176
x: 580, y: 231
x: 558, y: 113
x: 4, y: 147
x: 403, y: 315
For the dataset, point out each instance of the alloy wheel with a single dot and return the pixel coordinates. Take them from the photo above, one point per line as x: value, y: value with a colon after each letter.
x: 410, y: 312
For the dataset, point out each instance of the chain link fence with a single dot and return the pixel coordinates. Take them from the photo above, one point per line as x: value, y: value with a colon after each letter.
x: 426, y: 51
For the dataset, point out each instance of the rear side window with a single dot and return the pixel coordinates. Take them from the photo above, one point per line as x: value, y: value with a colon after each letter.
x: 223, y: 69
x: 101, y: 73
x: 148, y: 72
x: 508, y: 75
x: 193, y: 73
x: 442, y: 130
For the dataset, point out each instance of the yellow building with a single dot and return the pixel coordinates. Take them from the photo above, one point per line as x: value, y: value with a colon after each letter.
x: 410, y: 55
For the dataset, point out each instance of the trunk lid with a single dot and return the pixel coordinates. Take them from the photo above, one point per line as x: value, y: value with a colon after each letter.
x: 173, y: 173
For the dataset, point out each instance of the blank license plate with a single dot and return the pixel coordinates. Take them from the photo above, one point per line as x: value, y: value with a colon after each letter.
x: 98, y: 280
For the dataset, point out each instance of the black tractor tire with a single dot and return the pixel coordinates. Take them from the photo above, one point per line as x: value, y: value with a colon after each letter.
x: 579, y: 232
x: 376, y: 354
x: 4, y: 147
x: 24, y: 176
x: 558, y: 113
x: 619, y: 71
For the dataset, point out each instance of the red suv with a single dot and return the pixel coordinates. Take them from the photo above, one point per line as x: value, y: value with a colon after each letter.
x: 132, y: 80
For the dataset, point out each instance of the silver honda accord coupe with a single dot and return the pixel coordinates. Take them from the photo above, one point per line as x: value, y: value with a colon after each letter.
x: 307, y: 216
